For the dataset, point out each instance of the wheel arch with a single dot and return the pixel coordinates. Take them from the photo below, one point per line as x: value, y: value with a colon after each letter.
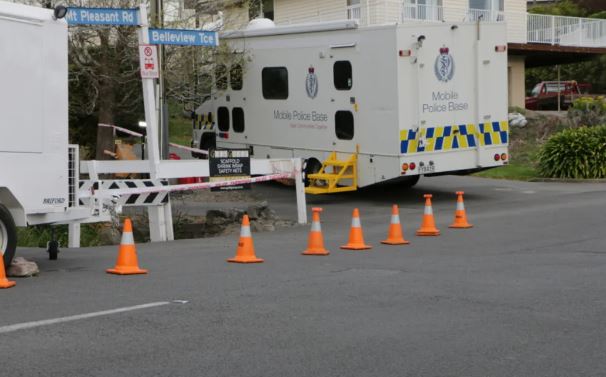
x: 14, y: 207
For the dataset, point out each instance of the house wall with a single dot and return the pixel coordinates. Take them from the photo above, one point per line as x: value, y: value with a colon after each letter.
x: 297, y: 11
x: 515, y: 16
x: 517, y: 83
x: 455, y: 10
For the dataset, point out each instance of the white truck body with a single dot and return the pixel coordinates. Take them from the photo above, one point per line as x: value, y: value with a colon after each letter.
x: 434, y: 95
x: 34, y: 151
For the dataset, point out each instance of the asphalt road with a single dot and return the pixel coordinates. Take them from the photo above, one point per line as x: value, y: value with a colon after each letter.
x: 523, y: 293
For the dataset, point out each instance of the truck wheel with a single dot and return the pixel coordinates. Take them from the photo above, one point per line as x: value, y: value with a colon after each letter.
x: 8, y: 236
x: 408, y: 182
x: 310, y: 166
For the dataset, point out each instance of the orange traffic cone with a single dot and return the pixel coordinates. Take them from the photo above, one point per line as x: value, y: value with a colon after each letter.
x: 127, y: 262
x: 246, y: 250
x: 394, y: 235
x: 4, y: 282
x: 315, y: 243
x: 428, y: 226
x: 356, y: 238
x: 460, y: 219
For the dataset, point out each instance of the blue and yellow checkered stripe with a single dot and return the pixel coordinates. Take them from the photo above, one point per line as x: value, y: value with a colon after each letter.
x: 453, y: 137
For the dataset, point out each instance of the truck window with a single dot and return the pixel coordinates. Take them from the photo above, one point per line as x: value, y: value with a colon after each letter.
x: 223, y: 119
x: 342, y: 73
x: 237, y: 116
x: 344, y: 125
x: 221, y: 77
x: 235, y: 77
x: 275, y: 82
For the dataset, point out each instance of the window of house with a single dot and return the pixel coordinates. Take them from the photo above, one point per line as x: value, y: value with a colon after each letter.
x: 344, y: 125
x: 275, y: 82
x: 237, y: 116
x: 221, y: 77
x: 261, y: 9
x: 235, y: 77
x: 223, y: 119
x: 342, y: 73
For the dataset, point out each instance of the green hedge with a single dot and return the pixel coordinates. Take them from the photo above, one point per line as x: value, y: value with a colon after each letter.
x: 575, y: 153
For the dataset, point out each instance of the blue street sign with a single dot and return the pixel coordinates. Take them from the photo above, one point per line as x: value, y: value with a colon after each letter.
x: 183, y: 37
x: 102, y: 16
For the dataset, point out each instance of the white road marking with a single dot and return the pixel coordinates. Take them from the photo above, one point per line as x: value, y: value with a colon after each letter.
x: 53, y: 321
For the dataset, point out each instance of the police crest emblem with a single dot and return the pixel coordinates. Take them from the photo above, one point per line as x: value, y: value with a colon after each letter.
x: 311, y: 83
x: 444, y: 67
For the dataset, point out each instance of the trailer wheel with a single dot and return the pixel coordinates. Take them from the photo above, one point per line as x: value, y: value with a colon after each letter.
x: 8, y: 236
x: 310, y: 166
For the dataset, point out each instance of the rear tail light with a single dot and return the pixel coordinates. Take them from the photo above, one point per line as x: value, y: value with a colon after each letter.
x: 412, y: 166
x: 404, y: 167
x: 497, y: 157
x: 503, y: 156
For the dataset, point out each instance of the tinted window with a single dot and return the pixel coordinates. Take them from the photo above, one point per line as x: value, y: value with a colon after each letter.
x: 221, y: 77
x: 235, y: 77
x: 344, y: 125
x: 343, y: 75
x: 275, y: 83
x: 223, y: 119
x: 237, y: 115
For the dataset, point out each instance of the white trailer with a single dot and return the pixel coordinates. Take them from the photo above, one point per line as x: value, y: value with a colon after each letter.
x: 38, y: 169
x: 363, y: 105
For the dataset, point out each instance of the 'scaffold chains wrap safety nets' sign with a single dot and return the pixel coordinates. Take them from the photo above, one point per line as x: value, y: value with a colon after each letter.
x: 229, y: 164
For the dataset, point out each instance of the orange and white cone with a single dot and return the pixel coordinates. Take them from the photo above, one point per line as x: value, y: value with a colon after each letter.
x: 428, y: 226
x: 356, y: 238
x: 127, y: 262
x: 394, y: 234
x: 246, y: 249
x: 460, y: 219
x: 315, y: 243
x: 4, y: 282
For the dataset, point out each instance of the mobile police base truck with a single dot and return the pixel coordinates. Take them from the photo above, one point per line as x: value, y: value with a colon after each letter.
x: 363, y: 105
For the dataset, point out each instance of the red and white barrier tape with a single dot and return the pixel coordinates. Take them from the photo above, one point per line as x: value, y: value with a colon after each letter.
x: 133, y: 133
x: 196, y: 150
x: 187, y: 187
x: 126, y: 131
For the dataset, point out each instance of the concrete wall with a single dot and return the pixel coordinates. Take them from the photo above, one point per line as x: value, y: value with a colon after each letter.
x: 516, y: 77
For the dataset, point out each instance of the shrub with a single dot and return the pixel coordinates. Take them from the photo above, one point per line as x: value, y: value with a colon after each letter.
x: 575, y: 153
x: 588, y: 111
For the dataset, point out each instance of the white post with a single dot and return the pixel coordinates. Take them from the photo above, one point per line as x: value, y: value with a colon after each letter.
x: 157, y: 224
x: 168, y: 221
x: 73, y: 240
x: 300, y: 189
x: 160, y: 227
x: 149, y: 103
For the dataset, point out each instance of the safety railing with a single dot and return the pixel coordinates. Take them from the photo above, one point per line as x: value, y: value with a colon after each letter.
x: 485, y: 15
x: 354, y: 12
x: 432, y: 13
x: 566, y: 31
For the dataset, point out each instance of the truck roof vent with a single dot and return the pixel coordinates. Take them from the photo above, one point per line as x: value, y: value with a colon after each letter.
x: 260, y: 23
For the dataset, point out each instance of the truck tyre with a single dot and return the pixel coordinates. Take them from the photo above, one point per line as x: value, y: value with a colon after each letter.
x: 310, y: 166
x: 408, y: 182
x: 8, y: 236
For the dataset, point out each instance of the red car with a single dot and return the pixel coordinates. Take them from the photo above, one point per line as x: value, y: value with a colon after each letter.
x: 544, y: 95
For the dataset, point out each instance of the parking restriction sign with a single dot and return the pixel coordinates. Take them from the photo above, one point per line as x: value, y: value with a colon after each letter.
x: 148, y: 59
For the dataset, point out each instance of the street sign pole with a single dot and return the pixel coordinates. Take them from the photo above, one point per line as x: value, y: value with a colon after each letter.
x: 149, y: 102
